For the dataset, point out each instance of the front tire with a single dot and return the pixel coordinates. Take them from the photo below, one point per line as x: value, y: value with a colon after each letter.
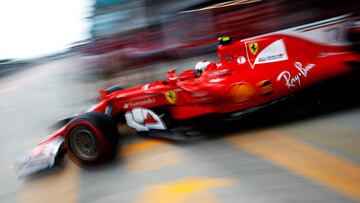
x: 91, y: 139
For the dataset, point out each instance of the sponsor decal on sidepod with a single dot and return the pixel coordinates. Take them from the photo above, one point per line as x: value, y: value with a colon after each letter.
x: 293, y: 80
x: 140, y: 103
x: 275, y: 52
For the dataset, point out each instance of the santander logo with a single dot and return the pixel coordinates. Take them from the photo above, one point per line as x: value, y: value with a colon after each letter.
x: 139, y: 103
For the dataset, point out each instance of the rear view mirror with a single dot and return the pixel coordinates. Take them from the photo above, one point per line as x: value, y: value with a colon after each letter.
x: 171, y: 76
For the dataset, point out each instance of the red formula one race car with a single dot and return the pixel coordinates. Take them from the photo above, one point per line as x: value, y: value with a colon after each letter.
x: 251, y: 74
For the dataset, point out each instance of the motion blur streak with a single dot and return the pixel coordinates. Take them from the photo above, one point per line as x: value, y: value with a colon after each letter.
x: 327, y: 134
x: 58, y: 187
x: 330, y: 170
x: 150, y: 155
x: 184, y: 190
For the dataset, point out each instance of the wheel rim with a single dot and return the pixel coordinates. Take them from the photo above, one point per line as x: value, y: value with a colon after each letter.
x: 83, y: 143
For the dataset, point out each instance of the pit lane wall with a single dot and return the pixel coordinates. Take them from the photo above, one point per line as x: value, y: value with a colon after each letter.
x: 332, y: 31
x: 247, y: 20
x: 193, y: 32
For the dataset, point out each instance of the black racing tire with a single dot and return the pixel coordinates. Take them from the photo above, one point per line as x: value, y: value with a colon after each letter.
x: 91, y: 139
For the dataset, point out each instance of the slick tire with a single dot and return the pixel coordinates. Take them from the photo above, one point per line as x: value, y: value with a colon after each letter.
x: 91, y: 139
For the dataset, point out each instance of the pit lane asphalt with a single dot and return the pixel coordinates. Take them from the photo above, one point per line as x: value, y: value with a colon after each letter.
x: 316, y: 159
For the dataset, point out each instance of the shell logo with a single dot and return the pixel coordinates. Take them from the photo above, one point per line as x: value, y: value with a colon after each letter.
x: 241, y: 92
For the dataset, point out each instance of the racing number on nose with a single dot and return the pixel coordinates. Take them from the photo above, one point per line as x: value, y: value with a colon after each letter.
x: 170, y: 96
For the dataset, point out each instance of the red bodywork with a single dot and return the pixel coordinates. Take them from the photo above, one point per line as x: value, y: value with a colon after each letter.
x: 242, y: 79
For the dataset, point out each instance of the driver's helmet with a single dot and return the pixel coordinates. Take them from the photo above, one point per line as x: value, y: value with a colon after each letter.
x: 199, y: 68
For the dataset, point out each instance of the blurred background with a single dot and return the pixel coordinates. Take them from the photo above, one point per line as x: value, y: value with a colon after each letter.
x: 121, y: 35
x: 55, y: 55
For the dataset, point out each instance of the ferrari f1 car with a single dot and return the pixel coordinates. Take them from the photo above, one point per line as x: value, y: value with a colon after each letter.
x: 250, y: 74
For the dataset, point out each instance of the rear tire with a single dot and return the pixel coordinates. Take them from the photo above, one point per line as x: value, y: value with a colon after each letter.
x: 91, y: 139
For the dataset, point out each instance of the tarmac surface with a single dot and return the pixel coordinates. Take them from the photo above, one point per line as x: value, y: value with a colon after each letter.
x: 315, y: 158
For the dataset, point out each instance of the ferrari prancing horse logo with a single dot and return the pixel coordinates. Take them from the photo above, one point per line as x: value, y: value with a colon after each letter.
x: 170, y: 96
x: 253, y: 47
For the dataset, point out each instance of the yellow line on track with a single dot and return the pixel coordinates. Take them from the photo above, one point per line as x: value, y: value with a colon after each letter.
x: 334, y: 135
x: 62, y: 186
x: 139, y: 146
x: 327, y: 169
x: 149, y: 155
x: 189, y: 189
x: 152, y: 159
